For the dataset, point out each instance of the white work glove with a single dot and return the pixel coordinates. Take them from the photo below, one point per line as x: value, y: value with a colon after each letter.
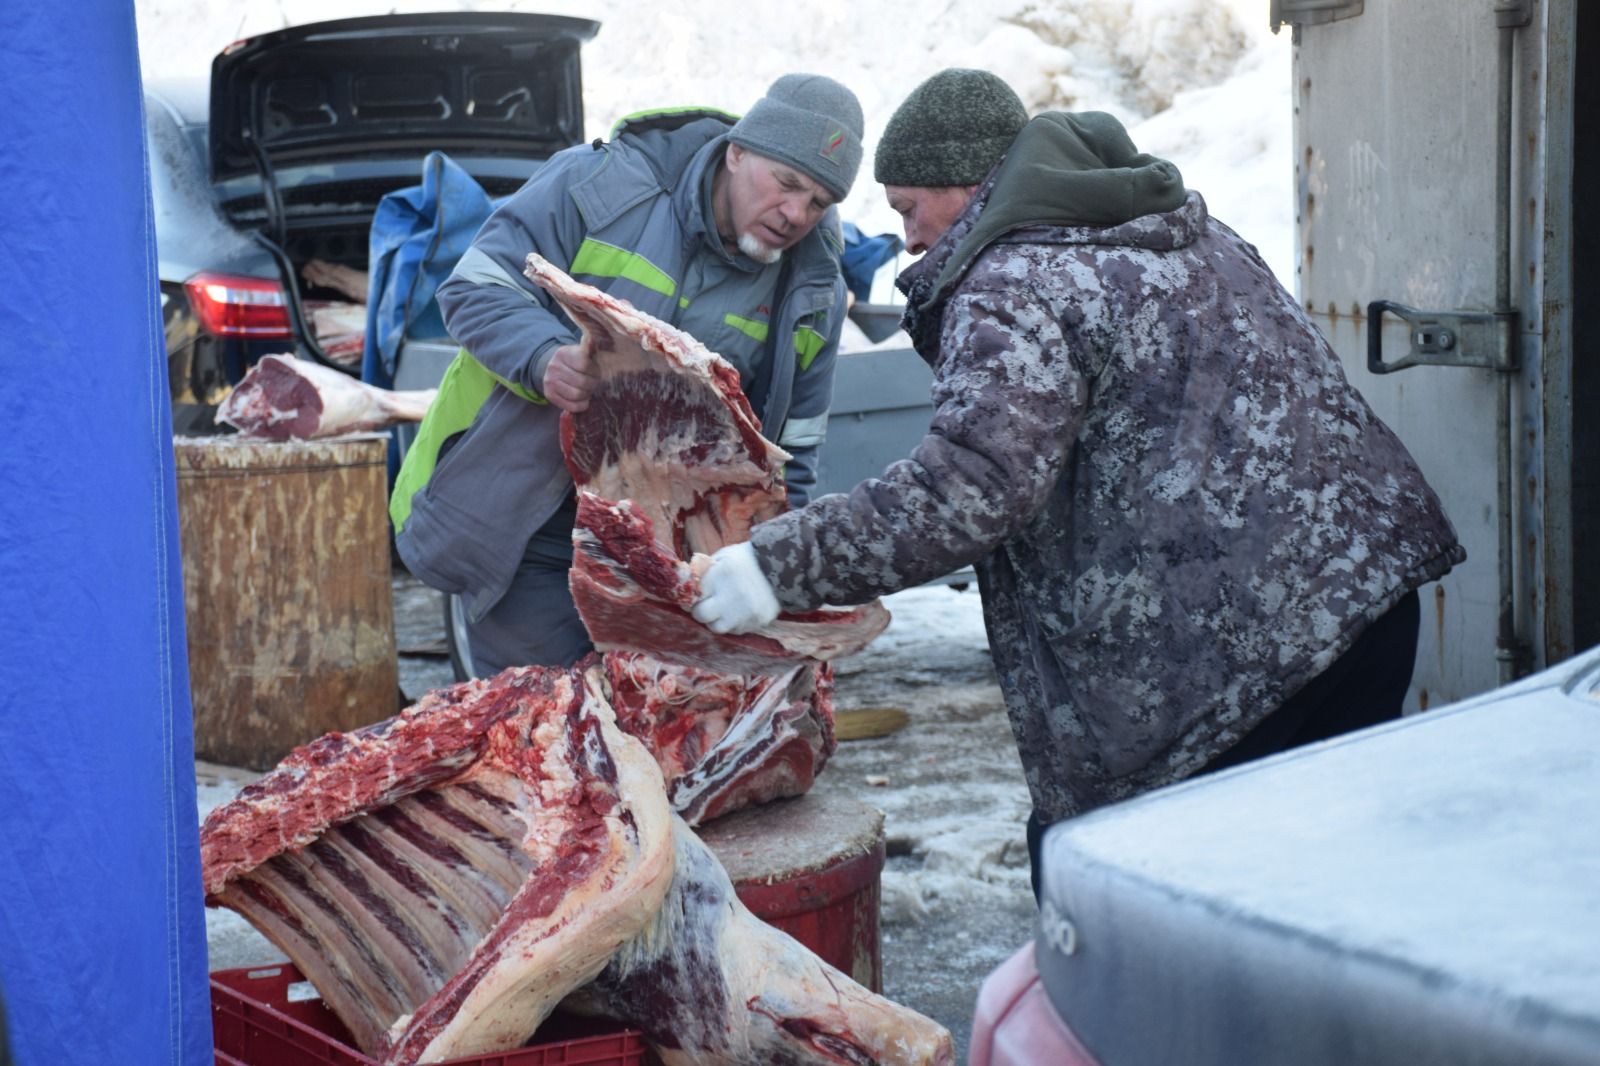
x: 735, y: 596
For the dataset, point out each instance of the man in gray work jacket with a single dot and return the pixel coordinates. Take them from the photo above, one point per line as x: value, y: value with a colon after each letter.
x: 725, y: 229
x: 1195, y: 541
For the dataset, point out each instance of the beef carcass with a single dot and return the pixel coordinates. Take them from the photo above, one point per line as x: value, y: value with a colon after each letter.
x: 446, y: 877
x: 671, y: 465
x: 283, y: 397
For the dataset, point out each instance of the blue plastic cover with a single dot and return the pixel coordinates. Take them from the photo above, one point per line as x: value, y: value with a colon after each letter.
x: 102, y: 935
x: 417, y: 235
x: 863, y: 256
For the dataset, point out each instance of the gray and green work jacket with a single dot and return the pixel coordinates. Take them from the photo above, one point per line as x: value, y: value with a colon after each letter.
x: 1179, y: 509
x: 629, y: 217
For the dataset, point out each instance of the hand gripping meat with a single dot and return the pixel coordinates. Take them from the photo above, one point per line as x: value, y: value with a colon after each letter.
x: 671, y: 465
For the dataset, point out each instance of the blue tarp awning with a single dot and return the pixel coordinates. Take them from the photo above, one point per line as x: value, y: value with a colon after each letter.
x: 102, y: 938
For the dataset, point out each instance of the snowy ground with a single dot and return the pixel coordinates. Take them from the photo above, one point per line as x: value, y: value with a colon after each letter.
x: 956, y: 900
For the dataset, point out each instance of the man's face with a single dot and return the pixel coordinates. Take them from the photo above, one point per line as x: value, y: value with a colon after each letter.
x: 926, y: 212
x: 769, y: 206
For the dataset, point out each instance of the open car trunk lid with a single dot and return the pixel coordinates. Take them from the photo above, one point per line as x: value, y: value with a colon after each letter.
x: 336, y: 111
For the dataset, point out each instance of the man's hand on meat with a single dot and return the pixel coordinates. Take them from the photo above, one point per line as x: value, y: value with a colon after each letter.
x: 570, y: 377
x: 735, y: 596
x: 731, y: 234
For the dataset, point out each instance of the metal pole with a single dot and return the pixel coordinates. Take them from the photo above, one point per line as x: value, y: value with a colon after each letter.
x: 1507, y: 645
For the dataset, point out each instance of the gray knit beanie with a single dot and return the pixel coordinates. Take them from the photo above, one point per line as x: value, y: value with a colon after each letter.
x: 811, y: 123
x: 950, y: 131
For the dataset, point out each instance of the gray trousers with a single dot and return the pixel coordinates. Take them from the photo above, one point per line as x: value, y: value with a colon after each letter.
x: 535, y: 622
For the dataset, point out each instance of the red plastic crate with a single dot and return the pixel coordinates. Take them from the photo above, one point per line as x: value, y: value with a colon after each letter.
x: 255, y: 1023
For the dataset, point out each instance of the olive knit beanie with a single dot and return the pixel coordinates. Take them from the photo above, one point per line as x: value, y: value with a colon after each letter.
x: 950, y: 131
x: 811, y: 123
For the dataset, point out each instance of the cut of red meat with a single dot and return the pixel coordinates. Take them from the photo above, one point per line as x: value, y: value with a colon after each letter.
x: 710, y: 984
x: 283, y: 397
x: 673, y: 466
x: 445, y: 878
x: 725, y: 741
x: 635, y: 595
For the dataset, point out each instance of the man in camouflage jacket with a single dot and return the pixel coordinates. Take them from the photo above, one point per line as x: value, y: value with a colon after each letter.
x: 1180, y: 513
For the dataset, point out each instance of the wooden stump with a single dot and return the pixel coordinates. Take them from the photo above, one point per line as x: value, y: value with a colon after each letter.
x: 286, y: 587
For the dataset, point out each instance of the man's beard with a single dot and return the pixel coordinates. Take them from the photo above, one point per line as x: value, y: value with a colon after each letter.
x: 762, y: 253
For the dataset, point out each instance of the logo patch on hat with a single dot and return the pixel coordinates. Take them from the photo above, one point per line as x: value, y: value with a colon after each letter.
x: 831, y: 143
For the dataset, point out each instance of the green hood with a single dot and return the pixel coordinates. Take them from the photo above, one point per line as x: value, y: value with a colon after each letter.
x: 1069, y: 169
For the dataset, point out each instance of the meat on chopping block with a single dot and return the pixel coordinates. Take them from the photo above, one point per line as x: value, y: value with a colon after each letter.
x: 446, y: 877
x: 709, y: 984
x: 671, y: 465
x: 283, y: 397
x: 725, y: 741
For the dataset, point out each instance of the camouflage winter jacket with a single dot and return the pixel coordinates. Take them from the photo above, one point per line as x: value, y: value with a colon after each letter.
x: 1178, y: 509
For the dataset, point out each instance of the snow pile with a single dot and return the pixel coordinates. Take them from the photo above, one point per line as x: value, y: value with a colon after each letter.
x: 1201, y: 82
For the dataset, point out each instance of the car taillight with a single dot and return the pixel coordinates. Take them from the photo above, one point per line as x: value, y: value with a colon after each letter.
x: 232, y: 306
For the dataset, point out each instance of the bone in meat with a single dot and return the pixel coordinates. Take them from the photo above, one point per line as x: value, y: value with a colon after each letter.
x: 671, y: 466
x: 283, y: 397
x: 445, y: 877
x: 725, y: 741
x: 709, y: 984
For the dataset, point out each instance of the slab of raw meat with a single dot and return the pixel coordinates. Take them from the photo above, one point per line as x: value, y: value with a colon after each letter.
x: 709, y: 984
x: 725, y: 741
x: 444, y: 878
x: 671, y: 466
x: 340, y: 329
x: 635, y: 595
x: 283, y: 397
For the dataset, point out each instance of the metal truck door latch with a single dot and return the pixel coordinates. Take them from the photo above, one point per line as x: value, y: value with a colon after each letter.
x: 1444, y: 338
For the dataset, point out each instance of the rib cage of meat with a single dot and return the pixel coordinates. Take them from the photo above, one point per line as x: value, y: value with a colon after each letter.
x: 428, y: 873
x: 671, y: 465
x: 445, y: 878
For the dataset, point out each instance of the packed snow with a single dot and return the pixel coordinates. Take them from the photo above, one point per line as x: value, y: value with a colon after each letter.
x: 1200, y: 82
